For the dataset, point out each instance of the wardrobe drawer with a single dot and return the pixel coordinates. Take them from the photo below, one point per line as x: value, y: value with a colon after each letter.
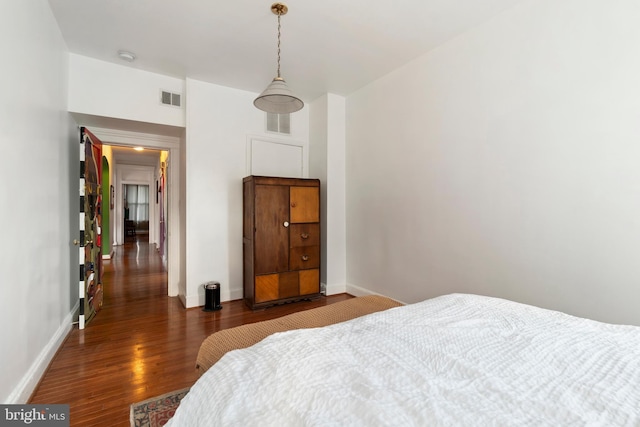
x: 304, y: 257
x: 304, y: 235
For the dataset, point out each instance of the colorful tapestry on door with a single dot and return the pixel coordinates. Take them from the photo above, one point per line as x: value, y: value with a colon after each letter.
x: 91, y: 292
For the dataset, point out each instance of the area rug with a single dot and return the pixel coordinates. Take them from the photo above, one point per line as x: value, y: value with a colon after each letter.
x: 157, y: 411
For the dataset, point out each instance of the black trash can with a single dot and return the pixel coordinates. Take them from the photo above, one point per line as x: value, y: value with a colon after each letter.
x: 212, y: 297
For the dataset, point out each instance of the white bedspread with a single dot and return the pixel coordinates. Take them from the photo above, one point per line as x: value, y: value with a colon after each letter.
x: 456, y: 360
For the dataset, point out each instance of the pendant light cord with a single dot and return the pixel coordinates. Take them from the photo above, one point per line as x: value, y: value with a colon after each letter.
x: 279, y: 45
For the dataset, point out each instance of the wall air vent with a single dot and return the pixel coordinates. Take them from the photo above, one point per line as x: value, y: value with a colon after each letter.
x: 279, y: 123
x: 169, y: 98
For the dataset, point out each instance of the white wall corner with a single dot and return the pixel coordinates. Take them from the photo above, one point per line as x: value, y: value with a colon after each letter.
x: 335, y: 288
x: 183, y: 300
x: 30, y: 380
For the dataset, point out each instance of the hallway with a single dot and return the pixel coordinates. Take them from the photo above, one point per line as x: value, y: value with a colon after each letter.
x: 141, y: 344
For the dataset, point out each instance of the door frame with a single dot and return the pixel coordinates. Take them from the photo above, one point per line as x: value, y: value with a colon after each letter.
x: 172, y: 145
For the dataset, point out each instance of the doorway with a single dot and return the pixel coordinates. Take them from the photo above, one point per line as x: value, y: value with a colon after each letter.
x: 136, y: 210
x: 169, y: 237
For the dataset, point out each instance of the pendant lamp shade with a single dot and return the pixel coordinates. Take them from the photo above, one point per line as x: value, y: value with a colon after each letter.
x: 277, y: 97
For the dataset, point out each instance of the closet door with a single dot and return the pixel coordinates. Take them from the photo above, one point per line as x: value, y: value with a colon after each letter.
x: 271, y: 229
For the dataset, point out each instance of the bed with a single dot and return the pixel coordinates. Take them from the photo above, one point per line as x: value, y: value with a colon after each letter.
x: 456, y: 360
x: 219, y: 343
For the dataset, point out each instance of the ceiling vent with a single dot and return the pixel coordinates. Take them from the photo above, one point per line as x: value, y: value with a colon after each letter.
x: 279, y: 123
x: 168, y: 98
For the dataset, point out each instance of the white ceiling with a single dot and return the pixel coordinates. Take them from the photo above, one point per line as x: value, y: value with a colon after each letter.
x: 129, y: 156
x: 335, y: 46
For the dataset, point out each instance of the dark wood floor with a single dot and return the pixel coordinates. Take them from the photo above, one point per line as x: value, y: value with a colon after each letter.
x: 141, y: 344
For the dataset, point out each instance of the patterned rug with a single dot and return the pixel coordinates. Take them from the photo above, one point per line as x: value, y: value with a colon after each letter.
x: 155, y: 412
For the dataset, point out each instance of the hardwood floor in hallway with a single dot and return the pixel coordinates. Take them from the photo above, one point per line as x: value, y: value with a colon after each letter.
x: 141, y: 344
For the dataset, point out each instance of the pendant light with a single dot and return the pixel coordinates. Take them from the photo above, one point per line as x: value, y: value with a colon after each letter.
x: 277, y: 97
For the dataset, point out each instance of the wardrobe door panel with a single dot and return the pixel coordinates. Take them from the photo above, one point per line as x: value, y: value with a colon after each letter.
x: 309, y: 281
x: 271, y: 229
x: 267, y: 288
x: 289, y: 285
x: 305, y: 204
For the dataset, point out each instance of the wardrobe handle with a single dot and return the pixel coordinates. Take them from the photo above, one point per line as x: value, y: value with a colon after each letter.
x: 305, y: 257
x: 286, y: 224
x: 304, y: 236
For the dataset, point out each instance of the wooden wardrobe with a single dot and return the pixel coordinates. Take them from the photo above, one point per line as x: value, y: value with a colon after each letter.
x: 281, y: 240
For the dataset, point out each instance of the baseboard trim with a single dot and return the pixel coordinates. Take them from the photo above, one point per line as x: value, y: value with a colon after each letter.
x: 193, y: 301
x: 30, y: 380
x: 234, y: 295
x: 357, y: 291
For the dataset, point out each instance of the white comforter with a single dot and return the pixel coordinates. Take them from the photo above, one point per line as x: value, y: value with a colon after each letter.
x: 458, y: 360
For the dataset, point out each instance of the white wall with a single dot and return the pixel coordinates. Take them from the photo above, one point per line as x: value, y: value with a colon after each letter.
x: 220, y: 121
x: 39, y: 169
x: 506, y: 162
x: 327, y: 134
x: 104, y: 89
